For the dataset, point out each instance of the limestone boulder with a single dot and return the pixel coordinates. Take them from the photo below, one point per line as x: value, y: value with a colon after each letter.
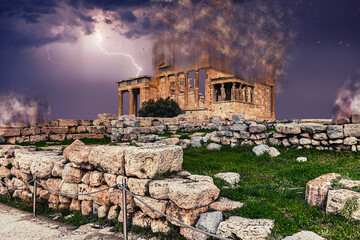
x: 159, y: 205
x: 335, y: 131
x: 75, y: 146
x: 349, y: 183
x: 304, y: 235
x: 84, y: 188
x: 79, y: 154
x: 336, y: 201
x: 103, y: 211
x: 75, y: 205
x: 170, y: 141
x: 190, y: 234
x: 245, y: 228
x: 141, y: 220
x: 71, y: 174
x: 86, y: 207
x: 101, y: 198
x: 110, y: 179
x: 200, y: 178
x: 4, y: 172
x: 301, y: 159
x: 232, y: 178
x: 225, y: 204
x: 209, y: 222
x: 146, y: 162
x: 350, y: 141
x: 238, y: 118
x: 160, y: 226
x: 273, y: 152
x: 317, y: 189
x: 19, y: 174
x: 187, y: 216
x: 190, y: 195
x: 115, y: 196
x: 138, y: 186
x: 23, y: 161
x: 196, y: 141
x: 260, y: 149
x: 53, y: 183
x: 288, y: 128
x: 113, y: 212
x: 159, y: 189
x: 57, y: 169
x: 70, y: 188
x: 44, y: 163
x: 352, y: 130
x: 257, y: 128
x: 213, y: 147
x: 109, y: 158
x: 96, y: 179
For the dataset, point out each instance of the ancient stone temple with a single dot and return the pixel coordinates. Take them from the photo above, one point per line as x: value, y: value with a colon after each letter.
x: 203, y: 89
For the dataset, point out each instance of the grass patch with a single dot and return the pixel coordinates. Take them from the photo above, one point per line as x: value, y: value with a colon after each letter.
x: 86, y: 141
x: 185, y: 134
x: 274, y: 188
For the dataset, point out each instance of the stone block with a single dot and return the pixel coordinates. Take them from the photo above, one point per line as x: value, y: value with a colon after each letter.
x: 245, y: 228
x: 288, y: 128
x: 187, y: 216
x: 335, y: 131
x: 146, y: 162
x: 159, y: 205
x: 68, y: 122
x: 317, y: 189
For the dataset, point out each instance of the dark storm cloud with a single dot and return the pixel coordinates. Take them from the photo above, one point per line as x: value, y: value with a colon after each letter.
x: 107, y: 5
x: 127, y: 16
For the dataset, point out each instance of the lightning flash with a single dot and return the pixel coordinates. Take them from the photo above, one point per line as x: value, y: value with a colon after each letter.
x: 99, y: 40
x: 52, y: 60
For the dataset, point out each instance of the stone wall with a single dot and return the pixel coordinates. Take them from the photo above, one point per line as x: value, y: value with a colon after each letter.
x: 321, y: 135
x: 298, y: 134
x: 84, y: 169
x: 58, y: 130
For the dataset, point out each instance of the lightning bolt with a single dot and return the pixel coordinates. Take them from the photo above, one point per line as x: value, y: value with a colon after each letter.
x: 52, y: 60
x: 98, y: 41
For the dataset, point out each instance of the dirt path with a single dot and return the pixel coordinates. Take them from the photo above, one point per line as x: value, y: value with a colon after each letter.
x: 16, y: 224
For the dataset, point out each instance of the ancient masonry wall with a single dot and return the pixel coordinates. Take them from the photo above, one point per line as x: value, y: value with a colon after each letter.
x: 85, y: 169
x: 57, y: 130
x: 299, y: 134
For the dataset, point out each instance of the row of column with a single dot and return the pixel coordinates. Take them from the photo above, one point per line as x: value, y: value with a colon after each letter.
x: 186, y: 87
x: 132, y: 101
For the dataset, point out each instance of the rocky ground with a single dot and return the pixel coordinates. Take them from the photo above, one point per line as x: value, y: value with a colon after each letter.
x: 16, y: 224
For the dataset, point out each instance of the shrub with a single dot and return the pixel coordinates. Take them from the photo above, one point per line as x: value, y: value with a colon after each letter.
x: 161, y: 108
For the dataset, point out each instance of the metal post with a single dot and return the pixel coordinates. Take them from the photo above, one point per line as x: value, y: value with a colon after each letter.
x: 124, y: 208
x: 34, y: 198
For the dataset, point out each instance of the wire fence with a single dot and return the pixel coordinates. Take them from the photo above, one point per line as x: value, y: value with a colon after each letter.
x: 124, y: 204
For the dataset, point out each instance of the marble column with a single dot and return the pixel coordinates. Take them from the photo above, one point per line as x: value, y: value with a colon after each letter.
x: 186, y: 90
x: 120, y: 103
x: 131, y: 102
x: 197, y: 83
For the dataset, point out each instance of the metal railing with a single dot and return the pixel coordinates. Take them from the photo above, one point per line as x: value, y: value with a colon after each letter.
x: 124, y: 204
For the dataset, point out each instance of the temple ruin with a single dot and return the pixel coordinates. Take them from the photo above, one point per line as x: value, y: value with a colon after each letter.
x: 201, y: 88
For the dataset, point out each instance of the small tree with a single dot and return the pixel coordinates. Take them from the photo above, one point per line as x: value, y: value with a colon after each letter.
x: 161, y: 108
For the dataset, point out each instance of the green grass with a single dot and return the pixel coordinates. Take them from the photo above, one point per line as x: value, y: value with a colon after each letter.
x: 274, y: 188
x: 185, y: 134
x: 87, y: 141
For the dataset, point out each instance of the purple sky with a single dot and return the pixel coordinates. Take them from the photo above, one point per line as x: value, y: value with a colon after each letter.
x: 79, y: 79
